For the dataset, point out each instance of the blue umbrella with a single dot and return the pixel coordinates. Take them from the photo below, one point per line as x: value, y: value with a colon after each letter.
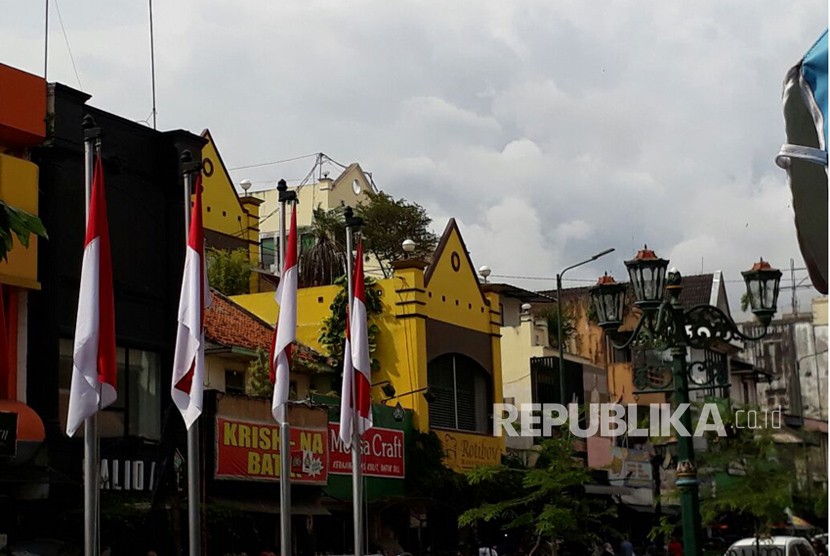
x: 804, y: 156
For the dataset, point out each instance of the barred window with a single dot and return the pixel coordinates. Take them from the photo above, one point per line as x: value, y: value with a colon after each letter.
x: 462, y: 393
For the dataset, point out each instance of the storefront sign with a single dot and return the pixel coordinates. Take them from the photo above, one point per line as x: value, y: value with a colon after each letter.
x: 467, y: 451
x: 382, y: 453
x: 124, y: 474
x: 251, y: 450
x: 630, y: 467
x: 8, y: 434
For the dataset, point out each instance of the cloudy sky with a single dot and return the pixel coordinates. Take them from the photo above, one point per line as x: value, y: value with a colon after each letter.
x: 549, y: 129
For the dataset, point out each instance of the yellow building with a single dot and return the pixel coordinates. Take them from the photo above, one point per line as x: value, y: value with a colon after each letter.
x: 22, y: 126
x: 348, y: 189
x: 439, y: 330
x: 231, y: 222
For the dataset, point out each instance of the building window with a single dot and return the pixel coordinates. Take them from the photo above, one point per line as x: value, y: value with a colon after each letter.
x: 234, y: 381
x: 268, y: 251
x: 137, y: 410
x: 462, y: 394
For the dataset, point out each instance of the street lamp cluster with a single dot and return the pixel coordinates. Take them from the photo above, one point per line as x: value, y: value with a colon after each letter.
x: 666, y: 325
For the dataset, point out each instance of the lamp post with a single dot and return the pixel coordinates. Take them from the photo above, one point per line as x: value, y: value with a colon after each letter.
x: 559, y: 320
x: 665, y: 325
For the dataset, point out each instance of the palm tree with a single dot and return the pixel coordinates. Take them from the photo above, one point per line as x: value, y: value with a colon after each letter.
x: 325, y: 261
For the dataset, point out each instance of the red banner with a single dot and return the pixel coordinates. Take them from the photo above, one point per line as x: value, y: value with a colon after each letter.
x: 382, y: 453
x: 251, y: 450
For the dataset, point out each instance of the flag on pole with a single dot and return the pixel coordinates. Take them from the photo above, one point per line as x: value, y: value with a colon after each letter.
x: 189, y: 359
x: 93, y: 363
x: 286, y: 330
x: 346, y: 390
x: 360, y: 348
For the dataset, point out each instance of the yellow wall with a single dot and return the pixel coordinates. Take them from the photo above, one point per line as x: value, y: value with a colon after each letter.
x: 224, y: 211
x: 408, y: 304
x: 18, y: 188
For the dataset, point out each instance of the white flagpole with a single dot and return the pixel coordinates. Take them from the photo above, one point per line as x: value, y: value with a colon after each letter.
x: 357, y: 471
x: 92, y: 143
x: 285, y: 429
x: 194, y: 481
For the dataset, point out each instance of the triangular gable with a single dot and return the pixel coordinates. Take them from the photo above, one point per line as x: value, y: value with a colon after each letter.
x: 219, y: 193
x: 452, y: 269
x: 718, y: 297
x: 353, y: 172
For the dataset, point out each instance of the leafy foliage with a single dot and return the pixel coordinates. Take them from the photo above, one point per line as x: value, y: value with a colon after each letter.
x: 751, y: 477
x: 333, y: 330
x: 387, y: 222
x: 551, y: 314
x: 426, y: 454
x: 229, y: 272
x: 15, y: 222
x: 259, y: 376
x: 545, y: 502
x: 324, y: 262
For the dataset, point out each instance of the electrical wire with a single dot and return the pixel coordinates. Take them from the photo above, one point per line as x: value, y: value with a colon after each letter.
x: 69, y: 48
x: 272, y: 163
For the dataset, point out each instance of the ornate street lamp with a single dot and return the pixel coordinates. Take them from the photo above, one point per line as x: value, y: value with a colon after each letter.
x: 762, y: 289
x: 648, y: 276
x: 608, y: 299
x: 666, y: 325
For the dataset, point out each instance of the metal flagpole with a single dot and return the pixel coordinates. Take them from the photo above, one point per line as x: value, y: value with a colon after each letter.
x: 357, y: 471
x: 285, y: 430
x: 92, y: 145
x: 194, y: 491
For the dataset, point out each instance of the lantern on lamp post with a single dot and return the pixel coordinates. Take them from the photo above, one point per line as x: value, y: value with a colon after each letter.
x: 667, y: 325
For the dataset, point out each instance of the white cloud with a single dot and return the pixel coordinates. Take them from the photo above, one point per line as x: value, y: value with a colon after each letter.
x: 556, y: 126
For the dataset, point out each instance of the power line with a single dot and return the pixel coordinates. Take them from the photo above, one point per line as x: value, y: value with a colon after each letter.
x: 69, y: 48
x: 272, y: 163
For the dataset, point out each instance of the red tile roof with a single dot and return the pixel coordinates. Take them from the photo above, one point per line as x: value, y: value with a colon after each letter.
x: 228, y: 324
x: 231, y: 325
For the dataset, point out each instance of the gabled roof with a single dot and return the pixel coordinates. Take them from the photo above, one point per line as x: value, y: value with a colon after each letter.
x: 698, y: 289
x: 527, y: 296
x: 452, y: 231
x: 346, y: 171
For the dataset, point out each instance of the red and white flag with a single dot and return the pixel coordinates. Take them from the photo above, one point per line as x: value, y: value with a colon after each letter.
x: 285, y: 332
x: 189, y: 359
x: 362, y: 382
x: 93, y: 363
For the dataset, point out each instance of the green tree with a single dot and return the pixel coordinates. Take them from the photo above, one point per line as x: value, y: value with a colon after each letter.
x: 551, y: 314
x: 387, y: 222
x: 750, y: 474
x: 229, y: 272
x: 15, y: 222
x: 325, y: 261
x: 333, y: 331
x: 545, y: 502
x: 259, y: 375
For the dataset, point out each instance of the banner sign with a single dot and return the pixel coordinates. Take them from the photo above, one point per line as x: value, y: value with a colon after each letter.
x: 251, y: 450
x: 382, y: 453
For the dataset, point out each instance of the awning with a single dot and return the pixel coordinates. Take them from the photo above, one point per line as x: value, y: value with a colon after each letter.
x: 267, y: 506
